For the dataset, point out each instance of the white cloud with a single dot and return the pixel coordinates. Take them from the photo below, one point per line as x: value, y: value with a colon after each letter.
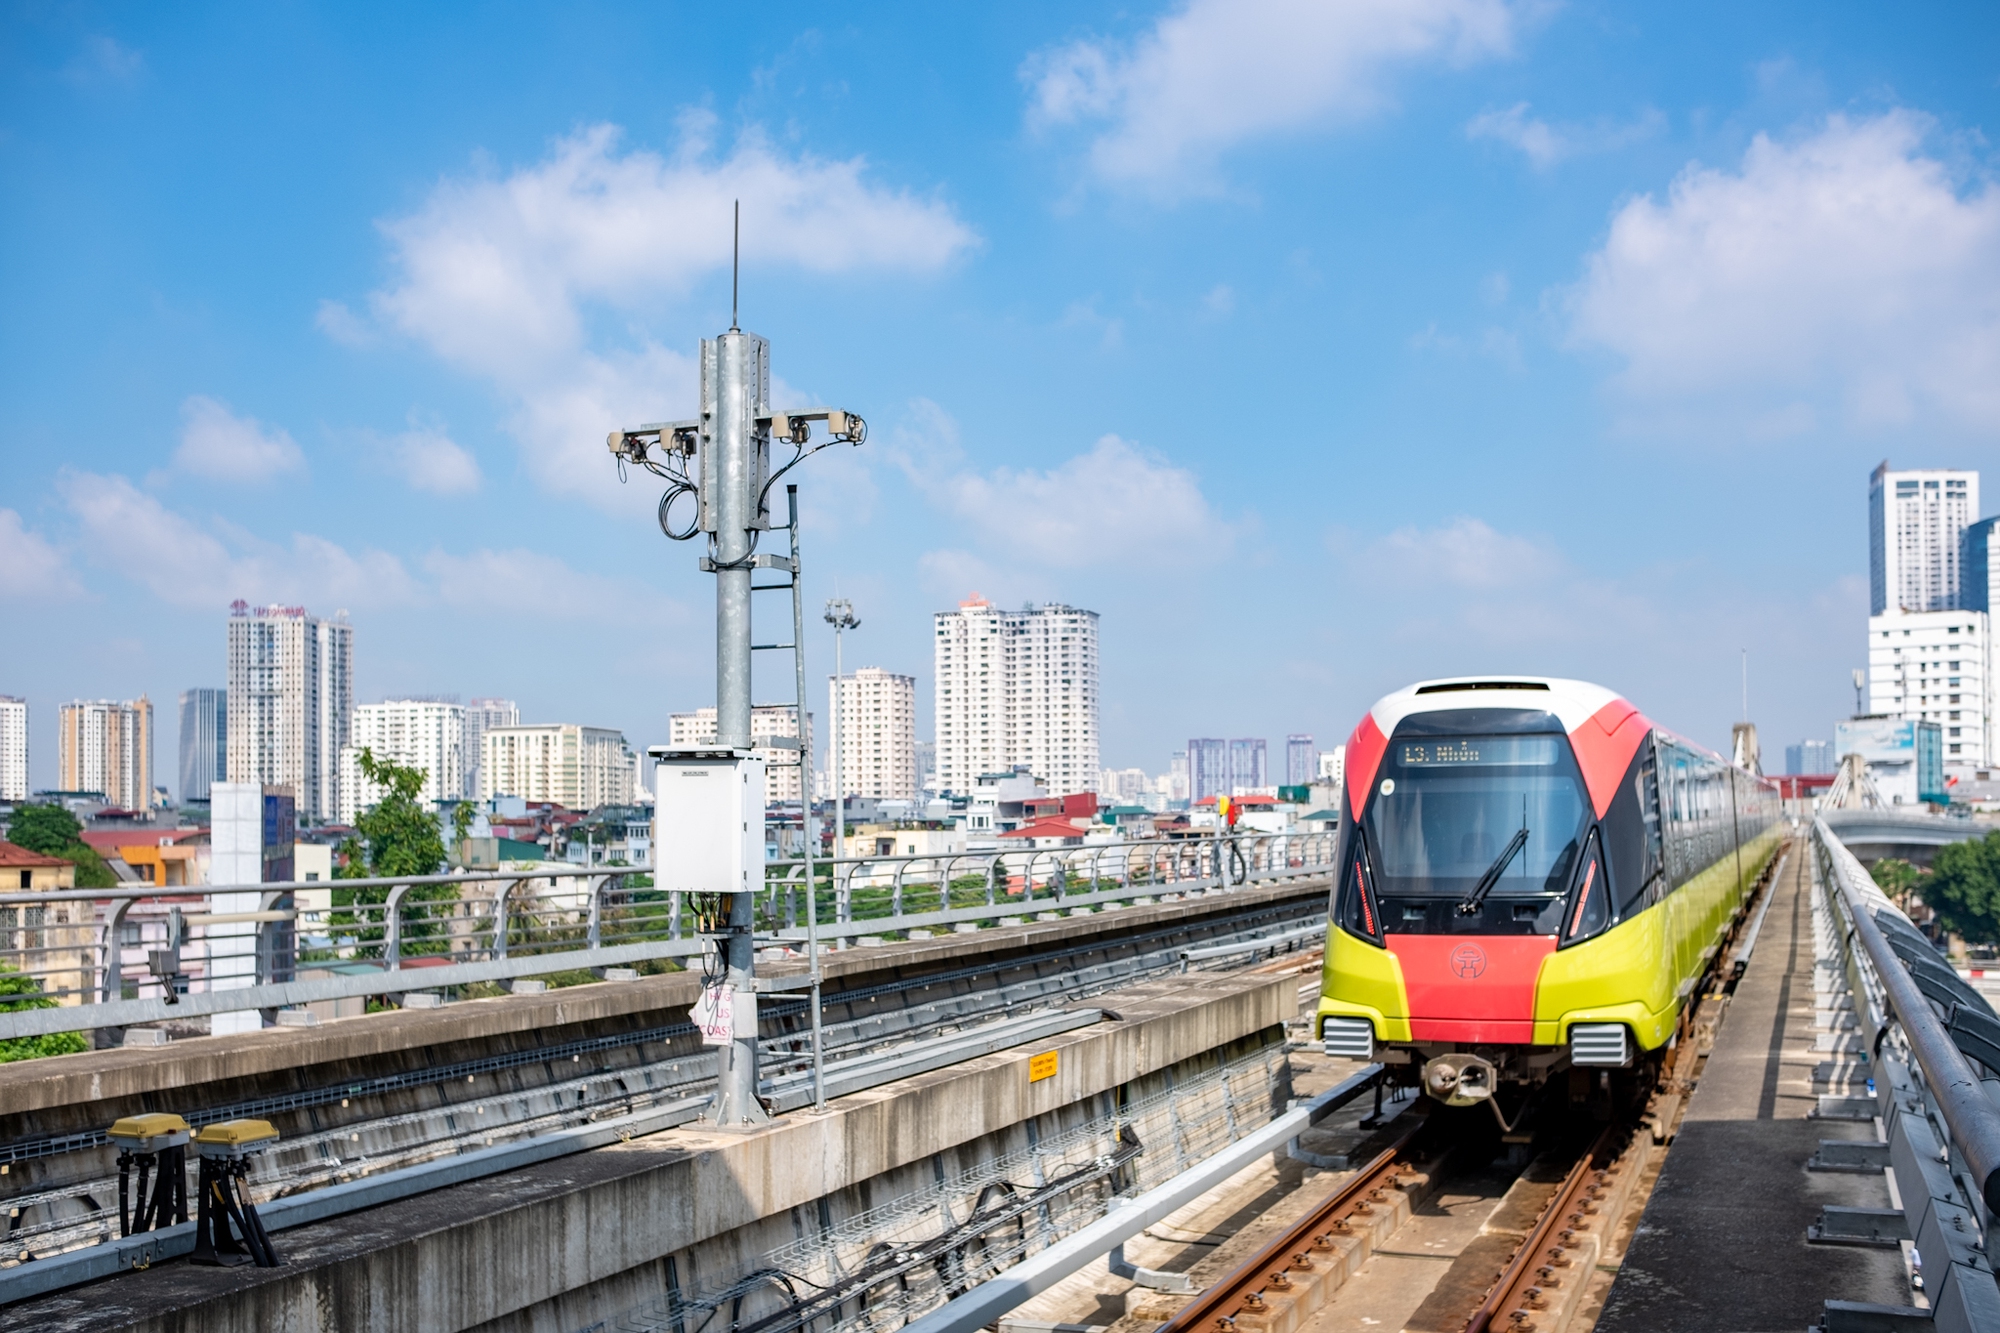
x: 185, y: 564
x: 342, y: 325
x: 1218, y: 73
x: 1497, y: 344
x: 518, y: 579
x: 500, y: 275
x: 1544, y: 144
x: 217, y: 443
x: 1117, y: 502
x: 430, y: 460
x: 1110, y: 329
x: 1467, y: 554
x: 1847, y: 268
x: 30, y: 568
x: 105, y: 59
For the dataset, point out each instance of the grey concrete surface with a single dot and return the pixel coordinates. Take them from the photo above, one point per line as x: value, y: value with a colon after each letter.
x: 1722, y: 1243
x: 540, y: 1248
x: 93, y: 1077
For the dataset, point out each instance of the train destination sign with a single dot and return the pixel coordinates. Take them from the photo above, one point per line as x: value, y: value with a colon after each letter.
x: 1466, y: 751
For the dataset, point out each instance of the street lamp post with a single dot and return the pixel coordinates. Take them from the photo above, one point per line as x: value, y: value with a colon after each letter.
x: 840, y: 615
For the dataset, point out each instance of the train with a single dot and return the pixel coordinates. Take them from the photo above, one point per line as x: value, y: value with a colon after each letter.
x: 1532, y: 879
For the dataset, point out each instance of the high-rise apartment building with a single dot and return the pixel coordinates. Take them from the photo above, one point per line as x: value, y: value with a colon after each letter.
x: 1916, y: 522
x: 1248, y: 770
x: 1333, y: 765
x: 1936, y: 666
x: 107, y: 748
x: 1017, y: 688
x: 1208, y: 770
x: 876, y: 714
x: 13, y: 748
x: 291, y: 700
x: 419, y: 733
x: 204, y: 741
x: 691, y: 731
x: 1123, y: 786
x: 1809, y: 758
x: 1301, y: 760
x: 1978, y: 566
x: 578, y: 768
x: 479, y: 715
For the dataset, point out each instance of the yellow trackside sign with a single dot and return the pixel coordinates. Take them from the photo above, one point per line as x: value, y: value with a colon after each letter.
x: 1041, y: 1066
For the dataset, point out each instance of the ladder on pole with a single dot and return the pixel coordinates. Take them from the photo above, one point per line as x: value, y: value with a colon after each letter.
x: 795, y: 584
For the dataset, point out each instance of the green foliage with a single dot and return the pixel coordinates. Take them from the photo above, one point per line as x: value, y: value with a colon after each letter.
x: 47, y: 829
x: 398, y: 837
x: 1964, y: 889
x: 461, y: 826
x: 91, y: 870
x: 402, y: 836
x: 53, y: 831
x: 19, y: 992
x: 1898, y: 879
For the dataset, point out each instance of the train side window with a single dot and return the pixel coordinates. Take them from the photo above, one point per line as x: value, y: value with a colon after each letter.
x: 1360, y: 910
x: 1649, y: 811
x: 1588, y: 907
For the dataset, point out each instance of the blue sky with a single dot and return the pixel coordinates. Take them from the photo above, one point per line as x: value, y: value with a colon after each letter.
x: 1318, y: 348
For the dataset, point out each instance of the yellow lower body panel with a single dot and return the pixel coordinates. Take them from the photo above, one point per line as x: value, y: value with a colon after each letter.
x: 1640, y: 972
x: 1359, y: 980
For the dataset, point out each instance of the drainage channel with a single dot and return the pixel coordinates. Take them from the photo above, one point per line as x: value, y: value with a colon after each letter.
x: 873, y: 1048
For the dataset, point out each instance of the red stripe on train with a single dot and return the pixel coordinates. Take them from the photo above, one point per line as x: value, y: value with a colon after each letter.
x: 1604, y: 746
x: 1505, y: 1031
x: 1364, y: 755
x: 1486, y: 981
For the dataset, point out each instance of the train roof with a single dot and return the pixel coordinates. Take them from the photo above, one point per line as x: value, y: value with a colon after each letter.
x: 1572, y: 701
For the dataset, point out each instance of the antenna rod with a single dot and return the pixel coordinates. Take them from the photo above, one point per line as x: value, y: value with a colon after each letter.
x: 735, y: 265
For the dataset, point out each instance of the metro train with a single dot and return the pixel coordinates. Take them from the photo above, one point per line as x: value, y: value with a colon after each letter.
x: 1533, y: 879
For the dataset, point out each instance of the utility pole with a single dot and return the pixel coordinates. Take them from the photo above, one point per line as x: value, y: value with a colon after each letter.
x: 840, y: 615
x: 713, y: 842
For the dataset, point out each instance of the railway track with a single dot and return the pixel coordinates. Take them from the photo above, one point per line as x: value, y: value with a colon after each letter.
x: 1545, y: 1233
x: 480, y: 1103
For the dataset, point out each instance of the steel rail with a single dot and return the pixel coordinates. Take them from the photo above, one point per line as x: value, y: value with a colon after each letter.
x: 1241, y: 1293
x: 1515, y: 1289
x: 1955, y: 1086
x: 985, y: 1303
x: 1070, y: 983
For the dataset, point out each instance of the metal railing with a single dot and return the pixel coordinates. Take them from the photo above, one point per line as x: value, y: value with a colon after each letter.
x: 1933, y: 1048
x: 146, y: 954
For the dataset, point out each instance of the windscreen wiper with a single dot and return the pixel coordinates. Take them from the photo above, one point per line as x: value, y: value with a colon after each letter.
x: 1470, y: 903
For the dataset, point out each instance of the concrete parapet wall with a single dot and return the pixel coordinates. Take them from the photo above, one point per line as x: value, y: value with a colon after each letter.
x: 93, y: 1078
x: 567, y: 1243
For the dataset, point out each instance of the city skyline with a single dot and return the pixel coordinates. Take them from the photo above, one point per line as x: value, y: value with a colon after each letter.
x: 1499, y: 259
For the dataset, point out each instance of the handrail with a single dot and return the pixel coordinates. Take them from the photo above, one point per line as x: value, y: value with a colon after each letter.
x: 1954, y: 1085
x: 90, y: 968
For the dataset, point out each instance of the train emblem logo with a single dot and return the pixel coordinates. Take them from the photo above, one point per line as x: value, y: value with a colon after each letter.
x: 1468, y: 961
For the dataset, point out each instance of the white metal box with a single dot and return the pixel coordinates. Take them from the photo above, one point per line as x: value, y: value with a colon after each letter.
x: 708, y: 821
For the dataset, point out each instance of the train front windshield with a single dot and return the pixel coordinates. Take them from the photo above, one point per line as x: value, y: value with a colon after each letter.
x: 1450, y: 811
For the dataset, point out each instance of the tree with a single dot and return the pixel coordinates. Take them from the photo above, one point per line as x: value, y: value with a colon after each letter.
x: 1898, y: 879
x: 401, y: 836
x: 1964, y: 888
x: 47, y: 829
x: 19, y: 992
x: 53, y: 831
x: 461, y: 827
x: 398, y: 837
